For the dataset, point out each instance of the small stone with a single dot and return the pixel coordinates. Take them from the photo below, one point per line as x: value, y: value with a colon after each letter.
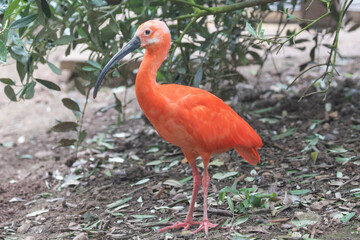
x: 24, y: 227
x: 318, y: 206
x: 59, y: 218
x: 81, y: 236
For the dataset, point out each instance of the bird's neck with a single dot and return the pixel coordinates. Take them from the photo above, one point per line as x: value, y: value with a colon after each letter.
x: 146, y: 87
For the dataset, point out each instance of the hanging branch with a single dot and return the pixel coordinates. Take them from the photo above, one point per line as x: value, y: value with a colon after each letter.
x: 201, y: 11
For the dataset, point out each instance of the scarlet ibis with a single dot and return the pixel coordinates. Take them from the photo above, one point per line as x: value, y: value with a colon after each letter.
x: 200, y: 123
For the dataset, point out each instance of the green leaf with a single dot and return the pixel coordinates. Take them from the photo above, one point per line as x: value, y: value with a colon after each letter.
x: 118, y: 104
x: 240, y: 220
x: 30, y: 90
x: 54, y: 68
x: 20, y: 67
x: 143, y: 216
x: 82, y: 136
x: 185, y: 180
x: 9, y: 92
x: 347, y: 217
x: 153, y: 163
x: 313, y: 140
x: 228, y: 189
x: 26, y: 156
x: 7, y: 81
x: 48, y: 84
x: 142, y: 181
x: 45, y: 8
x: 36, y: 213
x: 264, y: 110
x: 314, y: 156
x: 153, y: 149
x: 260, y: 27
x: 64, y: 40
x: 255, y: 56
x: 221, y: 176
x: 79, y: 86
x: 356, y: 127
x: 337, y: 149
x: 216, y: 162
x: 299, y: 192
x: 118, y: 203
x: 343, y: 160
x: 231, y: 204
x: 289, y: 16
x: 71, y: 104
x: 250, y: 29
x: 64, y: 142
x: 94, y: 64
x: 289, y: 132
x: 13, y: 5
x: 255, y: 201
x: 97, y: 3
x: 20, y: 51
x: 23, y: 22
x: 64, y: 127
x: 89, y: 69
x: 3, y: 51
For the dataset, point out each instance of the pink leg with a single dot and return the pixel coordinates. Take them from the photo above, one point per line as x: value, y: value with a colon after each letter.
x: 205, y: 224
x: 196, y: 186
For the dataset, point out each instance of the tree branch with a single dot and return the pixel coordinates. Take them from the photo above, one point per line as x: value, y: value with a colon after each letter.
x: 223, y: 9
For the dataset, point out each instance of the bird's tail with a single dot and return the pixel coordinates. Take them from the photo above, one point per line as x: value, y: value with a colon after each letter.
x: 249, y: 154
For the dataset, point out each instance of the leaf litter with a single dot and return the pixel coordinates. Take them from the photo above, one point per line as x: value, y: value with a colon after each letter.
x: 131, y: 182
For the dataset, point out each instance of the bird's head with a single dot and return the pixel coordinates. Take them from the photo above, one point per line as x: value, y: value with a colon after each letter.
x: 151, y: 34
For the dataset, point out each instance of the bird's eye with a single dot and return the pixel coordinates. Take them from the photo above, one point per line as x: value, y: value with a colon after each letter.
x: 147, y: 32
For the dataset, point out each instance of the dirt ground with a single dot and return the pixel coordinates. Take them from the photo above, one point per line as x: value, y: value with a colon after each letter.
x: 127, y: 182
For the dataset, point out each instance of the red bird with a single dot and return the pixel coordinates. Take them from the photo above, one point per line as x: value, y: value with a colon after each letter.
x: 200, y: 123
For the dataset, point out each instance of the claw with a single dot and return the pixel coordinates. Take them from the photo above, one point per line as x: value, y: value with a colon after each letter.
x: 205, y: 225
x: 185, y: 225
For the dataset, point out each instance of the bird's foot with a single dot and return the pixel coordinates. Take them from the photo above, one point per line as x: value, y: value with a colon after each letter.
x: 185, y: 225
x: 205, y: 224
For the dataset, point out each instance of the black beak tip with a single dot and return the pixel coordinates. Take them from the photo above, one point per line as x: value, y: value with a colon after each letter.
x: 129, y: 47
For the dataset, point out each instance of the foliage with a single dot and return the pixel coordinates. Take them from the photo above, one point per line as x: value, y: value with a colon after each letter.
x: 245, y: 199
x: 200, y: 54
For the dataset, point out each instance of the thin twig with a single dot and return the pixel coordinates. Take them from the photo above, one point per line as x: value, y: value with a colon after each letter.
x: 347, y: 182
x: 303, y: 29
x: 297, y: 77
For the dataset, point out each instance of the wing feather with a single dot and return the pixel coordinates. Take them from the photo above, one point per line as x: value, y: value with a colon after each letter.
x: 210, y: 124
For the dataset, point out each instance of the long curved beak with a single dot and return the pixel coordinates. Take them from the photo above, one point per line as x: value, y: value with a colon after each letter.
x: 132, y: 45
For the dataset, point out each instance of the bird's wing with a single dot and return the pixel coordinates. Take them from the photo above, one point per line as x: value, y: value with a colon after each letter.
x: 212, y: 124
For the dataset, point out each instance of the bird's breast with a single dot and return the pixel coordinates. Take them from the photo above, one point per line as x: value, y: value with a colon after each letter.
x: 169, y: 127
